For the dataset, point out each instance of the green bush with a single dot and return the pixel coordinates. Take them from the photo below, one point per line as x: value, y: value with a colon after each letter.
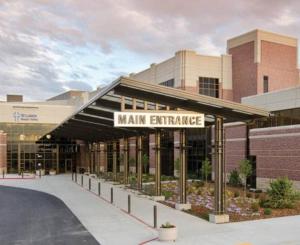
x: 264, y: 202
x: 234, y: 178
x: 236, y: 194
x: 267, y: 211
x: 281, y: 193
x: 255, y: 206
x: 167, y: 194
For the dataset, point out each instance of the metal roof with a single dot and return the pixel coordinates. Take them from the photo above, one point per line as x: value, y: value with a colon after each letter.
x: 94, y: 120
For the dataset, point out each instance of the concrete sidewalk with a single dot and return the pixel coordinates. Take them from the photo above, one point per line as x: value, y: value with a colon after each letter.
x: 110, y: 225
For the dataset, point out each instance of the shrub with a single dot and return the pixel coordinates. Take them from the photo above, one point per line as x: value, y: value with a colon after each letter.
x: 264, y: 202
x: 249, y: 195
x: 167, y: 225
x: 256, y: 195
x: 267, y: 211
x: 255, y: 206
x: 234, y: 178
x: 167, y: 194
x: 245, y: 170
x: 198, y: 184
x: 282, y: 193
x: 206, y: 169
x: 236, y: 194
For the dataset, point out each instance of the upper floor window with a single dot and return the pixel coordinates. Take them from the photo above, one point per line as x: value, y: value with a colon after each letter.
x: 209, y: 86
x: 266, y: 84
x: 169, y: 83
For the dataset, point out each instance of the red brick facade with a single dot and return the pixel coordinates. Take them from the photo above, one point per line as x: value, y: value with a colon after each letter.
x: 244, y: 71
x: 279, y: 63
x: 277, y: 151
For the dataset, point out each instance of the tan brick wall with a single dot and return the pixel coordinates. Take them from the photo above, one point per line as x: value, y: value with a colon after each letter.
x: 3, y: 152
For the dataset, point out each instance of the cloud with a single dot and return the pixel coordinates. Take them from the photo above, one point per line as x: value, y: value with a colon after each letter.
x: 47, y: 46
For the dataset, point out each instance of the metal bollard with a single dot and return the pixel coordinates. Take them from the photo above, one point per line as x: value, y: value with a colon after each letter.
x: 129, y: 204
x: 40, y: 173
x: 90, y: 184
x: 155, y: 216
x: 22, y: 174
x: 81, y: 180
x: 99, y: 189
x: 72, y: 176
x: 76, y: 177
x: 3, y: 173
x: 111, y: 195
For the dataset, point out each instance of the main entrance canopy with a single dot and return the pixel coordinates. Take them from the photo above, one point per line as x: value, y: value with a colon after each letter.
x: 94, y: 121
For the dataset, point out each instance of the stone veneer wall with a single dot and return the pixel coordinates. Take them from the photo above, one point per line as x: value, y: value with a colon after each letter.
x: 3, y: 151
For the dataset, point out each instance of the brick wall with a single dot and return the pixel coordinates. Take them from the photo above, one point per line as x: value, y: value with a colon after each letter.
x: 244, y: 75
x: 235, y: 145
x: 277, y: 151
x: 279, y: 63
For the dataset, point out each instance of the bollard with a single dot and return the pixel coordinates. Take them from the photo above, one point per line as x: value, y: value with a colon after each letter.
x: 76, y: 177
x: 72, y: 176
x: 90, y: 184
x: 111, y: 195
x: 155, y: 216
x: 99, y: 189
x: 40, y: 173
x: 3, y: 173
x: 22, y: 173
x: 81, y: 180
x: 129, y: 204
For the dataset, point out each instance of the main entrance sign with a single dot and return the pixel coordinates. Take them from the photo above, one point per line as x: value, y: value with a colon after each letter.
x: 159, y: 119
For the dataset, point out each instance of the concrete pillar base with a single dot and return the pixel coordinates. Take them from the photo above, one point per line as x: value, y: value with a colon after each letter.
x: 183, y: 206
x: 218, y: 218
x: 157, y: 198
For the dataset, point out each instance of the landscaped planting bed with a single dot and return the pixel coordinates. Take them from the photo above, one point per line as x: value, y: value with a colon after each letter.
x: 239, y: 206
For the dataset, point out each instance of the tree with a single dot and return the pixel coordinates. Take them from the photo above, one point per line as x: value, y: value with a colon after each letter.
x: 145, y: 161
x: 206, y: 169
x: 245, y: 170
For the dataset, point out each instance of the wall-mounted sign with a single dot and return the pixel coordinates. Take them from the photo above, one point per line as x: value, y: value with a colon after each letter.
x: 24, y: 117
x: 159, y: 119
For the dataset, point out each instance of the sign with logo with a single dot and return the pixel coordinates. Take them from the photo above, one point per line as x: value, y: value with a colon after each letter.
x: 159, y: 119
x: 24, y: 117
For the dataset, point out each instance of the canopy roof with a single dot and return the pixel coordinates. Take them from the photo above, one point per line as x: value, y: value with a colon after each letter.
x: 94, y: 120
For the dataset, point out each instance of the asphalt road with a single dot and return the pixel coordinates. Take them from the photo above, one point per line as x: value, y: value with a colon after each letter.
x: 30, y: 217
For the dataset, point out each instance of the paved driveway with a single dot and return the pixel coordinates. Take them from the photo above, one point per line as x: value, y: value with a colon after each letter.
x: 33, y: 217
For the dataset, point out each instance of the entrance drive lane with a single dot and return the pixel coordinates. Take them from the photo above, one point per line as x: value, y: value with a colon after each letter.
x: 33, y: 217
x: 108, y: 224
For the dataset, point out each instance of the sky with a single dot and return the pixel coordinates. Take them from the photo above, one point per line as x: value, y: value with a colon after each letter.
x: 51, y: 46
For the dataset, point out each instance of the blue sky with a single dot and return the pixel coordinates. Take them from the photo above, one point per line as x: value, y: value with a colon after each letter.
x: 48, y: 47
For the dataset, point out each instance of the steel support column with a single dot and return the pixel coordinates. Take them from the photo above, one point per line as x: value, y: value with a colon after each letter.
x: 219, y: 167
x: 183, y: 166
x: 114, y: 161
x: 57, y: 158
x: 139, y: 162
x: 157, y: 163
x: 125, y: 160
x: 105, y: 158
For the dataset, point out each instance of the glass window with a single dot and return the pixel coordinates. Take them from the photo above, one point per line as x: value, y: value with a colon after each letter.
x: 169, y: 83
x: 209, y: 86
x: 266, y: 84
